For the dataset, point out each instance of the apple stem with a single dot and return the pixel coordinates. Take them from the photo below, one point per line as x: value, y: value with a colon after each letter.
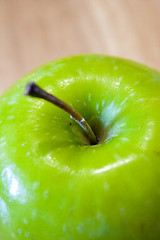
x: 34, y: 90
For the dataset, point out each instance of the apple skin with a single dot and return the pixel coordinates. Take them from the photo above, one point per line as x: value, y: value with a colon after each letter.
x: 53, y: 185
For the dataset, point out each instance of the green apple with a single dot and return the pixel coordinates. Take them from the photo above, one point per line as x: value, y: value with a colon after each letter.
x: 53, y: 183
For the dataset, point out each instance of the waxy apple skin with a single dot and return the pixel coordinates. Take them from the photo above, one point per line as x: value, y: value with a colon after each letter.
x: 53, y: 185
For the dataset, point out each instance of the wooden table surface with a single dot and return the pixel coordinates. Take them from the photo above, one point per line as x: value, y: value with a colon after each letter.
x: 33, y: 32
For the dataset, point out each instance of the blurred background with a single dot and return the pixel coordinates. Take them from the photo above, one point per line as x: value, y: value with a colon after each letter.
x: 33, y: 32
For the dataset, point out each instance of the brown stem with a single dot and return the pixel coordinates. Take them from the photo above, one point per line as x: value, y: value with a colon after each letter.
x: 35, y: 91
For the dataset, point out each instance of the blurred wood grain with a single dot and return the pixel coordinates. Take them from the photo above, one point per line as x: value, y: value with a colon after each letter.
x: 33, y: 32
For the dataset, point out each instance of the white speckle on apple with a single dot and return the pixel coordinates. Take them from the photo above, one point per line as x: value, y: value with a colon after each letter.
x: 45, y: 194
x: 3, y: 211
x: 2, y: 155
x: 13, y: 235
x: 106, y: 186
x: 151, y: 123
x: 116, y: 67
x: 34, y: 213
x: 64, y: 227
x: 116, y: 156
x: 132, y: 94
x: 65, y: 82
x: 27, y: 234
x: 97, y: 106
x: 89, y: 97
x: 79, y: 228
x: 103, y: 103
x: 99, y: 215
x: 122, y: 210
x: 3, y: 143
x: 84, y: 104
x: 28, y: 153
x: 141, y: 100
x: 147, y: 137
x: 10, y: 117
x: 121, y: 125
x: 124, y: 101
x: 136, y: 83
x: 117, y: 83
x: 29, y: 99
x: 19, y: 231
x: 35, y: 129
x: 4, y: 99
x: 4, y: 220
x: 38, y: 104
x: 25, y: 221
x: 93, y: 229
x: 12, y: 102
x: 72, y: 172
x: 35, y: 185
x: 155, y: 99
x: 77, y: 100
x: 125, y: 139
